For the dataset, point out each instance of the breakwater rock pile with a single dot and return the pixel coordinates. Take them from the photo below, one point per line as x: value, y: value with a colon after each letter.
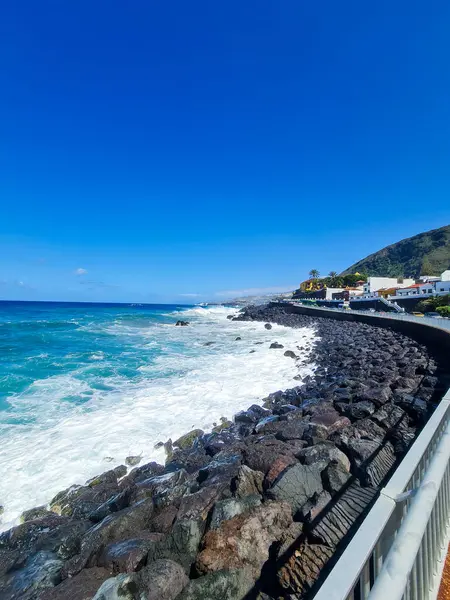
x: 259, y: 508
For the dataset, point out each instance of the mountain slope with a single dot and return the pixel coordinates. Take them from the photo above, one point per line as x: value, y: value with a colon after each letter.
x: 427, y: 253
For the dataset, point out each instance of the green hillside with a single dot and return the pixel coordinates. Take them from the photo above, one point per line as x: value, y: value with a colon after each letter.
x: 427, y: 253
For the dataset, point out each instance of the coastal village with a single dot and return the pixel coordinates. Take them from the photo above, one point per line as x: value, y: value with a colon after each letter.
x: 359, y: 291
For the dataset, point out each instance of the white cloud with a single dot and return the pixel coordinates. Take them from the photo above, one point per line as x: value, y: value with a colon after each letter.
x: 20, y: 283
x: 80, y: 271
x: 190, y: 295
x: 255, y: 291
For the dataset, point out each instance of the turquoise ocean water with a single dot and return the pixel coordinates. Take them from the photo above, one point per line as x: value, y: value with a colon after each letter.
x: 82, y: 386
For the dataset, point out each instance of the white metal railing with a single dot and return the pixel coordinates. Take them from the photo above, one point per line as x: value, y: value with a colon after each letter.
x: 399, y: 549
x: 391, y: 304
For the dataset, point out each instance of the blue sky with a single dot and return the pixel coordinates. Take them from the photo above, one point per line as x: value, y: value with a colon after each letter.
x: 186, y: 151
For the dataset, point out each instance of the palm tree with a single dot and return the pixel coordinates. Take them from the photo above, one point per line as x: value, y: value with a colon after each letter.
x: 314, y: 274
x: 333, y: 274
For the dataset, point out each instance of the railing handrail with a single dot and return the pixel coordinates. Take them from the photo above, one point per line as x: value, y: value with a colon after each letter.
x: 393, y: 577
x: 348, y: 569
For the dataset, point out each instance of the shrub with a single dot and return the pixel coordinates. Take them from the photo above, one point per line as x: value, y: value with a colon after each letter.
x: 432, y: 304
x: 444, y: 311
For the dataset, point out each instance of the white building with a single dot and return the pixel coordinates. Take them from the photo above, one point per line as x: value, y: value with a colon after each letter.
x: 443, y: 287
x: 330, y: 291
x: 445, y: 276
x: 418, y: 289
x: 374, y: 284
x: 432, y: 288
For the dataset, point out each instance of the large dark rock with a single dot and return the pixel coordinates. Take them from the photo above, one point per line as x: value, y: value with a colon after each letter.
x: 292, y: 430
x: 199, y: 504
x: 335, y: 477
x: 164, y: 519
x: 163, y: 488
x: 186, y: 440
x: 372, y: 460
x: 39, y: 571
x: 417, y: 408
x: 376, y: 395
x: 117, y: 502
x: 247, y: 482
x: 181, y: 544
x: 163, y: 580
x: 35, y: 513
x: 356, y: 411
x: 81, y: 587
x: 221, y: 470
x: 128, y: 555
x: 124, y: 524
x: 52, y: 533
x: 324, y: 454
x: 296, y: 486
x: 81, y: 501
x: 244, y: 541
x: 228, y: 584
x: 225, y: 510
x: 124, y: 586
x: 260, y: 454
x: 141, y: 473
x: 252, y: 415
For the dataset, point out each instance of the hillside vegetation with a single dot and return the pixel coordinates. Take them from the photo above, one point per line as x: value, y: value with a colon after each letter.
x: 427, y: 253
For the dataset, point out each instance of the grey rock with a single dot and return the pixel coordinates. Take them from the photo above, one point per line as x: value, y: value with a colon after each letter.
x: 358, y: 410
x: 163, y: 580
x: 231, y: 507
x: 334, y: 477
x: 296, y: 485
x: 141, y: 473
x: 416, y: 408
x: 81, y: 587
x: 186, y: 440
x: 372, y: 460
x: 324, y: 452
x: 114, y: 504
x: 377, y: 396
x: 34, y: 513
x: 228, y: 584
x: 266, y: 424
x: 160, y: 487
x: 40, y: 571
x: 245, y: 540
x: 276, y: 345
x: 120, y: 525
x: 51, y: 533
x: 127, y: 555
x: 312, y: 509
x: 181, y: 544
x: 293, y: 430
x: 247, y: 482
x: 132, y: 461
x: 122, y: 587
x: 198, y: 505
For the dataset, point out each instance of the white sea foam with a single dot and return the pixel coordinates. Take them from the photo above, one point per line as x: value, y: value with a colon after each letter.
x: 115, y: 416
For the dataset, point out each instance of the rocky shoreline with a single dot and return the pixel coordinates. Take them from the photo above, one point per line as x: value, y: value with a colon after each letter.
x: 259, y: 508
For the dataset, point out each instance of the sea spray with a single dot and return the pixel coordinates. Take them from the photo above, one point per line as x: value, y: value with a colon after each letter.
x: 116, y: 381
